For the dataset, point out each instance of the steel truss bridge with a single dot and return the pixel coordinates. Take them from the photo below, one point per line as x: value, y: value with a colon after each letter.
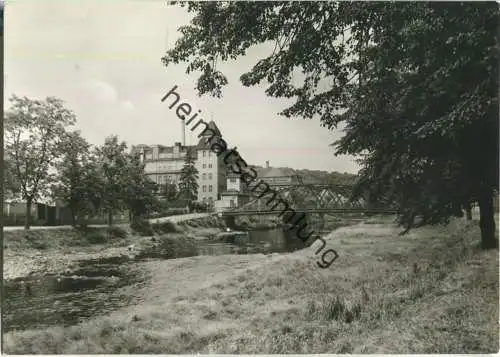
x: 310, y: 198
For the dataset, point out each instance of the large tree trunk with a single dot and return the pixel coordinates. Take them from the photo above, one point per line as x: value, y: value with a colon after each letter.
x: 27, y: 221
x: 487, y: 220
x: 110, y: 217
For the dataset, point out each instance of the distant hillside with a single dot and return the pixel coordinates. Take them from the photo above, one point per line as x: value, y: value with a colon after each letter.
x: 326, y: 177
x: 318, y: 176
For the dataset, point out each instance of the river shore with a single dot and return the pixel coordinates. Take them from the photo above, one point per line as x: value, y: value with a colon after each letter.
x: 380, y: 296
x: 57, y: 250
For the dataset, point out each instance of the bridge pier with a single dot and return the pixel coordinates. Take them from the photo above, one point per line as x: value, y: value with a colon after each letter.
x: 230, y: 222
x: 299, y: 220
x: 321, y: 223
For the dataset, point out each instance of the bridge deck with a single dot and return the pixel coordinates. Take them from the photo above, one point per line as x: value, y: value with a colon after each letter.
x: 311, y: 210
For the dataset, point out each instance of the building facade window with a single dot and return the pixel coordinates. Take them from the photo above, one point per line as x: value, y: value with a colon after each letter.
x: 204, y: 176
x: 231, y: 203
x: 204, y: 166
x: 209, y: 188
x: 209, y: 153
x: 204, y: 153
x: 232, y: 180
x: 209, y: 166
x: 209, y: 176
x: 204, y: 188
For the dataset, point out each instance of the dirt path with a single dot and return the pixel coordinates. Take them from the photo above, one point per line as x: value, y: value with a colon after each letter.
x: 181, y: 217
x: 35, y: 228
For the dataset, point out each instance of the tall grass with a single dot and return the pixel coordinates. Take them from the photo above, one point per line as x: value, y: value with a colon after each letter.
x: 433, y: 291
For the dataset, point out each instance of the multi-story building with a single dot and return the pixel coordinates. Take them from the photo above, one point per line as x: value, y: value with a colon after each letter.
x: 236, y: 193
x: 211, y: 168
x: 164, y: 164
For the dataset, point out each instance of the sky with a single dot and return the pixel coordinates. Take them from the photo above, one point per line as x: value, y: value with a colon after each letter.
x: 103, y: 58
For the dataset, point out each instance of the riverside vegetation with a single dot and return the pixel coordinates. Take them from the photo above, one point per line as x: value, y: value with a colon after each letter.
x: 435, y: 291
x: 57, y: 250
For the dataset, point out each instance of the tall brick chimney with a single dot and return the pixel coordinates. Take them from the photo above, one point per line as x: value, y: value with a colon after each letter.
x: 267, y: 164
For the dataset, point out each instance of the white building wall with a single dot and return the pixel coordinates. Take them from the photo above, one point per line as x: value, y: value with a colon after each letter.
x: 227, y: 201
x: 222, y: 205
x: 208, y: 178
x: 162, y: 172
x: 233, y: 184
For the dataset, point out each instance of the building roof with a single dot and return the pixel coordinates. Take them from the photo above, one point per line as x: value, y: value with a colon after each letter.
x: 136, y: 149
x: 212, y: 126
x: 232, y: 174
x: 204, y: 143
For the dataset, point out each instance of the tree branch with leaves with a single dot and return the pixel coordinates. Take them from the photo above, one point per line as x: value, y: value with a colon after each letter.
x: 34, y: 133
x: 415, y: 86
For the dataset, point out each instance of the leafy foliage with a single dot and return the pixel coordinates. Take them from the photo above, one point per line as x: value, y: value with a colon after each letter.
x: 76, y: 184
x: 170, y: 190
x: 116, y: 232
x: 44, y: 158
x: 12, y: 187
x: 33, y: 136
x: 113, y: 168
x: 143, y: 227
x: 140, y: 191
x: 188, y: 186
x: 414, y: 86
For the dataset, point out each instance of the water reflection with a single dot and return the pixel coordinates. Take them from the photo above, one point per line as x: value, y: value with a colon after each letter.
x: 94, y: 287
x: 257, y: 241
x: 37, y: 302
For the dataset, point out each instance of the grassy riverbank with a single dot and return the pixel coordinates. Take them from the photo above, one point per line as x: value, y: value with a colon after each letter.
x: 429, y: 292
x: 44, y: 251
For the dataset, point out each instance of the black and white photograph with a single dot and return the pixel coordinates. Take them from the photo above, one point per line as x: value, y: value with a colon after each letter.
x: 250, y: 177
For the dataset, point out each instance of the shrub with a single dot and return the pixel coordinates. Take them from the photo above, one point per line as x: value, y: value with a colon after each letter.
x: 116, y: 232
x: 169, y: 247
x: 165, y: 227
x: 142, y: 227
x: 93, y: 235
x: 35, y: 240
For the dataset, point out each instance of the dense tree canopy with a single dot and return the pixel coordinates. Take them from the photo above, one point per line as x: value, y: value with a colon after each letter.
x: 34, y: 132
x: 73, y: 184
x: 113, y: 159
x: 414, y: 85
x: 139, y: 190
x: 44, y: 158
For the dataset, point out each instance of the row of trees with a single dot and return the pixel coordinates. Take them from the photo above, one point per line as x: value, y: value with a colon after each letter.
x: 414, y: 84
x: 45, y: 157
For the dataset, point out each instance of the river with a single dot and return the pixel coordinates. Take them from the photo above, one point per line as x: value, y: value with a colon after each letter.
x: 99, y: 286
